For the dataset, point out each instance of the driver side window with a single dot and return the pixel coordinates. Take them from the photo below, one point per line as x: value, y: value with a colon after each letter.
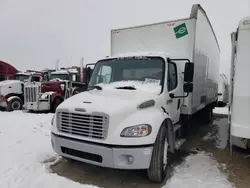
x: 172, y: 76
x: 104, y: 75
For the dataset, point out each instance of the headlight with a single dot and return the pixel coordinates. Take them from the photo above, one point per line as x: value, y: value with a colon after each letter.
x: 62, y: 87
x: 136, y: 131
x: 52, y: 120
x: 44, y: 96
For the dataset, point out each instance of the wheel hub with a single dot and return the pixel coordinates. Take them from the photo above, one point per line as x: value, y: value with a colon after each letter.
x: 15, y: 105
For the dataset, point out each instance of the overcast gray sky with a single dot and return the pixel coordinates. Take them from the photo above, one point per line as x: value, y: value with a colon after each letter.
x: 34, y: 33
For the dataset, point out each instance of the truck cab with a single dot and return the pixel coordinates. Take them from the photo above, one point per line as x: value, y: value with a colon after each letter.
x: 154, y: 75
x: 69, y: 75
x: 23, y: 77
x: 46, y: 96
x: 11, y: 91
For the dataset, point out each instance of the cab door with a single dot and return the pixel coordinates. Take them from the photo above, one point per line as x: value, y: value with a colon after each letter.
x: 174, y: 89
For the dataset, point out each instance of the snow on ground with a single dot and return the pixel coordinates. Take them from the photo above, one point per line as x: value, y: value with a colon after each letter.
x: 198, y: 171
x: 25, y: 142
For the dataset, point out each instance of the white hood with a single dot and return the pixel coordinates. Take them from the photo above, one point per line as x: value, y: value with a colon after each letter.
x: 9, y: 82
x: 107, y: 101
x: 111, y: 100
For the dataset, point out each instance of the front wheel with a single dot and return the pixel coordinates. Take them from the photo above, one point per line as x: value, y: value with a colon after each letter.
x: 14, y: 104
x: 158, y: 165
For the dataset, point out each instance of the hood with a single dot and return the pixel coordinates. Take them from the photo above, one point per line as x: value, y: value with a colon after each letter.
x: 107, y: 101
x: 51, y: 86
x: 9, y: 82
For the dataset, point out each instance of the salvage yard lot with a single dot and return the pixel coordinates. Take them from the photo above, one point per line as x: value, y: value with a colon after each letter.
x: 29, y: 161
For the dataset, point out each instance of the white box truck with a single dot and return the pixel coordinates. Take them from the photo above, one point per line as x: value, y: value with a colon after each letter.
x: 223, y: 91
x: 239, y: 100
x: 141, y: 99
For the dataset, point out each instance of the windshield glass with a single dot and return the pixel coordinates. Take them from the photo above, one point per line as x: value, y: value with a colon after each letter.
x: 21, y: 77
x: 59, y: 77
x: 129, y: 72
x: 35, y: 79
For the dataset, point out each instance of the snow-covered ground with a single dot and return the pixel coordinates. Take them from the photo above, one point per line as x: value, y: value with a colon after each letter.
x: 25, y: 142
x: 198, y: 171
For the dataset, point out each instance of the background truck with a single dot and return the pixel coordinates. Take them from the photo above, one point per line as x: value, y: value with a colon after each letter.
x: 239, y: 98
x: 7, y: 71
x: 223, y: 93
x: 46, y: 96
x: 11, y: 91
x: 141, y: 100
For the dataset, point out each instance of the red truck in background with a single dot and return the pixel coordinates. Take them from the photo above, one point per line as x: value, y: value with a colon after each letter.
x: 7, y: 71
x: 62, y: 84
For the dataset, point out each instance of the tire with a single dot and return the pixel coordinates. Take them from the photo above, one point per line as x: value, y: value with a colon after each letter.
x: 157, y: 170
x: 206, y: 115
x: 14, y: 104
x: 55, y: 104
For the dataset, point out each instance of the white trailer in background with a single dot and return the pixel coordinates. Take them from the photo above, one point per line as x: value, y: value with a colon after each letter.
x: 222, y: 91
x: 141, y: 100
x: 239, y: 99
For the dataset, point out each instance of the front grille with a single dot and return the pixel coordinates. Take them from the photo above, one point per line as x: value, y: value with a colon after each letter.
x: 87, y: 125
x: 31, y: 93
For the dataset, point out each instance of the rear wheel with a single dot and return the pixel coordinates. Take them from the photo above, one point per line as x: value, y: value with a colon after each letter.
x: 158, y: 165
x: 208, y: 114
x: 14, y: 104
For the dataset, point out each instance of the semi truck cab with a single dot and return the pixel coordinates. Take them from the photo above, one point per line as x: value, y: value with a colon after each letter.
x: 12, y: 91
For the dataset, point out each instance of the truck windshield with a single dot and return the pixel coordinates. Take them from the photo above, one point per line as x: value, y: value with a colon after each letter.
x: 35, y: 79
x: 21, y: 77
x: 59, y: 77
x: 132, y: 69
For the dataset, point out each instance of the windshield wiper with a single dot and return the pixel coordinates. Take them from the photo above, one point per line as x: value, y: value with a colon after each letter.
x: 126, y: 87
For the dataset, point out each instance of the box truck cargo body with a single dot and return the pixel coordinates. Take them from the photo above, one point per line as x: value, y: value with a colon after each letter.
x: 239, y: 89
x: 192, y: 39
x: 142, y: 98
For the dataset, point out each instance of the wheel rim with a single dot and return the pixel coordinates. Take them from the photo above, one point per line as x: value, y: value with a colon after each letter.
x: 165, y: 154
x: 16, y: 105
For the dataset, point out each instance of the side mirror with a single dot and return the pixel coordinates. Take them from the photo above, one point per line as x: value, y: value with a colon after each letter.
x: 88, y: 74
x: 188, y: 87
x: 189, y: 72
